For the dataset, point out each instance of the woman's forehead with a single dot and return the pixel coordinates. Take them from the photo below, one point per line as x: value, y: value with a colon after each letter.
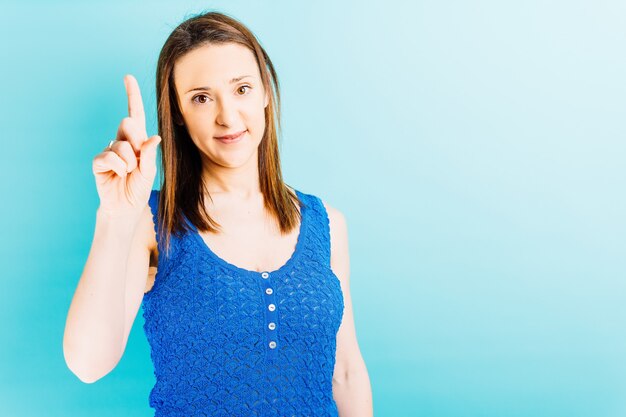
x: 214, y: 66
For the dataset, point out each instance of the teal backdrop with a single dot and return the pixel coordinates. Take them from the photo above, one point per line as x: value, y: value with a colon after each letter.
x: 476, y: 148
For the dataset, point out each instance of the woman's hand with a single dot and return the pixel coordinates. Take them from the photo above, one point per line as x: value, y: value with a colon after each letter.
x: 125, y: 173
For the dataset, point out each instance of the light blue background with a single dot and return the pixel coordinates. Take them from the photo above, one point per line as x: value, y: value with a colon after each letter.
x: 477, y: 150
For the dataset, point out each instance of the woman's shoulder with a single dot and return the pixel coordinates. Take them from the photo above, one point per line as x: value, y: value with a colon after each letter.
x: 322, y: 202
x: 336, y: 222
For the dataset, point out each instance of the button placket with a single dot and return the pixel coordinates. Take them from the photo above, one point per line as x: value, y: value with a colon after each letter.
x: 270, y: 313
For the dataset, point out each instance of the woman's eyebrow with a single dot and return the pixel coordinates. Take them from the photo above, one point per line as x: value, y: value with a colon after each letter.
x: 234, y: 80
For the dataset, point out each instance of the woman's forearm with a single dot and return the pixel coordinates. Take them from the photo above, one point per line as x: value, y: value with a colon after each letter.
x: 353, y: 395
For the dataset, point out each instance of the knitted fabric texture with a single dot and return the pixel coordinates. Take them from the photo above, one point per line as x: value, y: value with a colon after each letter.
x: 227, y: 341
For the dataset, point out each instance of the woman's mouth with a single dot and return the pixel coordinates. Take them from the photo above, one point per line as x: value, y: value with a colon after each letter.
x: 232, y: 138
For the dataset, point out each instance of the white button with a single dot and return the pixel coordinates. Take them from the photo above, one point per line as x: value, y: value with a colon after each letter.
x: 271, y: 307
x: 265, y: 275
x: 272, y: 326
x: 272, y: 344
x: 268, y: 291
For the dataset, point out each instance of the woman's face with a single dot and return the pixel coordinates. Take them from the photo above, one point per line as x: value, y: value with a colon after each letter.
x: 215, y: 102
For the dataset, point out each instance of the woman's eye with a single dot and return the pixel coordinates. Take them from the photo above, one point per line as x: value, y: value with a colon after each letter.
x: 243, y: 86
x: 200, y: 96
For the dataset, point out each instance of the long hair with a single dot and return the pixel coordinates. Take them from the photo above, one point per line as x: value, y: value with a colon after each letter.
x: 182, y: 187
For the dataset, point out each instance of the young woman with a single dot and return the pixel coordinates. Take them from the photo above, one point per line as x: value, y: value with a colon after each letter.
x: 246, y: 302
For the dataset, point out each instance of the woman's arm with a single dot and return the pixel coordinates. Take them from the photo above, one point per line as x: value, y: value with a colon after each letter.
x: 351, y: 385
x: 94, y: 329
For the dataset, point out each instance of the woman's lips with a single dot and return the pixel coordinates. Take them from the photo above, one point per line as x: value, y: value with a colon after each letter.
x: 231, y: 138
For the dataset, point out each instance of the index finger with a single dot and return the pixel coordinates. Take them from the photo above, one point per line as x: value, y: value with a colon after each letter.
x: 135, y: 104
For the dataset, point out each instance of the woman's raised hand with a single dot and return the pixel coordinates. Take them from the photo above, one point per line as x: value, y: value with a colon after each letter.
x: 125, y: 173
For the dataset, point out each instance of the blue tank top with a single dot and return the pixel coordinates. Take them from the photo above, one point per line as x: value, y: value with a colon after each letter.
x: 227, y: 341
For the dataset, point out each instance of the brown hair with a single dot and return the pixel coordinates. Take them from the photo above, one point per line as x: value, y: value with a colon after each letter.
x: 182, y: 187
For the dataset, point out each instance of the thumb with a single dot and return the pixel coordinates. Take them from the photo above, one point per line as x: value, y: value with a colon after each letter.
x: 147, y: 157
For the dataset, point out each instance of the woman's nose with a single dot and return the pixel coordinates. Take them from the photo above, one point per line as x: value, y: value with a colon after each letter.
x: 226, y: 112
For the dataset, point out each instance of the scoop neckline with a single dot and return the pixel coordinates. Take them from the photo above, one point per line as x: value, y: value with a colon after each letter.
x: 304, y: 220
